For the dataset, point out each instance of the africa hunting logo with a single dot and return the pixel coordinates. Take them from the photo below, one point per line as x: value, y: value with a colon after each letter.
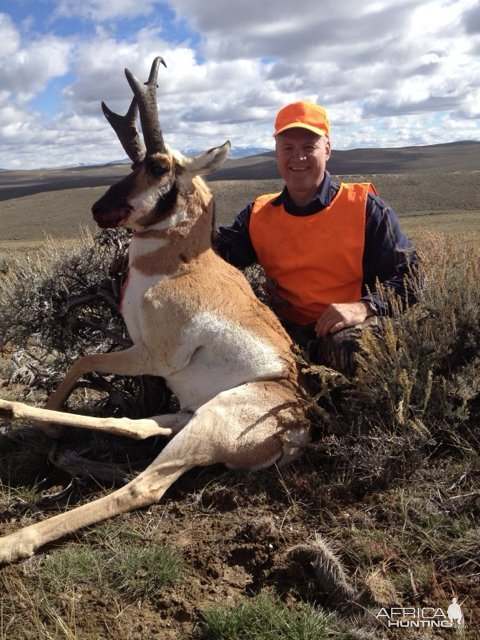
x: 423, y: 617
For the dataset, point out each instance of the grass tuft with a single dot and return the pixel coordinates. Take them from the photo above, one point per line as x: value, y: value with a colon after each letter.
x: 267, y: 618
x: 67, y: 567
x: 142, y: 572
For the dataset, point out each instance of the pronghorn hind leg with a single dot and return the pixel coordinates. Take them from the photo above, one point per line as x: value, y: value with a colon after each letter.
x: 179, y: 455
x: 145, y: 489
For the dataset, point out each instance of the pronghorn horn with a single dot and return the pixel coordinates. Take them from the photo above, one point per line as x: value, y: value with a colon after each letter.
x: 126, y: 129
x: 146, y: 95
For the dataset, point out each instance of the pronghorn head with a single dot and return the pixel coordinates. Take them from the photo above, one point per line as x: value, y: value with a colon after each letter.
x: 162, y: 182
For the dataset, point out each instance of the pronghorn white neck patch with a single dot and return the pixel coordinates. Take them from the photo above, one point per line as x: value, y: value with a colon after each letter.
x: 139, y: 247
x: 133, y: 294
x: 146, y: 201
x: 178, y: 216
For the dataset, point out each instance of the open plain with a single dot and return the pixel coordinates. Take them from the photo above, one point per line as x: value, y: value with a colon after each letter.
x: 434, y: 187
x: 403, y: 518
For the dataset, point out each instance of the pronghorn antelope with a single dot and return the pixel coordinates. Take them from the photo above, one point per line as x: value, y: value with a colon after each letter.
x: 194, y: 320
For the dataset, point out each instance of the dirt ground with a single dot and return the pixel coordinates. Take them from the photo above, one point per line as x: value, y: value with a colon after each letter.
x: 233, y: 531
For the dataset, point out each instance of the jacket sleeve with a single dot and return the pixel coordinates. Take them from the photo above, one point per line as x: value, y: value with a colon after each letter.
x: 233, y: 243
x: 389, y: 258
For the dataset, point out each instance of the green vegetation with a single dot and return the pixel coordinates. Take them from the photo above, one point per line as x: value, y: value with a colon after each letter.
x: 267, y: 618
x: 47, y: 601
x: 67, y: 568
x: 141, y: 572
x: 134, y: 569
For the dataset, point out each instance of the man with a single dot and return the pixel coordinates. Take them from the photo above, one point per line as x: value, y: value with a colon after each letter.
x: 325, y: 246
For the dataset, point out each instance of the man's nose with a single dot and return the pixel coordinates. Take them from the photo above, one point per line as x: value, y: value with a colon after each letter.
x: 299, y: 154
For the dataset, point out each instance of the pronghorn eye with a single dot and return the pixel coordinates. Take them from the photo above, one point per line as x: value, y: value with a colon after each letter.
x: 156, y: 169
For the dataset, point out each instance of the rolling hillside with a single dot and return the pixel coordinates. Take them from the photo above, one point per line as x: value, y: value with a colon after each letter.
x: 435, y: 187
x: 456, y: 156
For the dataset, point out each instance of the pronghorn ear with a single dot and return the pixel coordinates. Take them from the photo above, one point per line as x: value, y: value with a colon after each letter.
x: 210, y: 160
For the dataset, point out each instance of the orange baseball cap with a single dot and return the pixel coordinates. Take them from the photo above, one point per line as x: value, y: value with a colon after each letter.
x: 303, y: 114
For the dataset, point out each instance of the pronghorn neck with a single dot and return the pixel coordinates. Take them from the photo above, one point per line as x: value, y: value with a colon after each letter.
x: 171, y: 245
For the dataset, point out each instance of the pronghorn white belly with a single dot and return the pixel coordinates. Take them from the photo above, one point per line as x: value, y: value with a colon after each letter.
x: 216, y: 354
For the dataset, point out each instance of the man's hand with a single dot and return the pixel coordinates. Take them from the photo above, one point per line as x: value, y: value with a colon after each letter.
x: 342, y: 315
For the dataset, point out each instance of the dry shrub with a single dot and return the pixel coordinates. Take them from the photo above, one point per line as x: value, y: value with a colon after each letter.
x: 417, y: 390
x: 425, y: 369
x: 63, y: 303
x: 50, y: 298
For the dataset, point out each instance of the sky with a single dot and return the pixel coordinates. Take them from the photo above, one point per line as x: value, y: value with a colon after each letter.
x: 391, y: 73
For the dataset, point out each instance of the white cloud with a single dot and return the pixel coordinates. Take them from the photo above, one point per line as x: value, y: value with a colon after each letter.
x: 26, y: 67
x: 389, y: 72
x: 10, y: 40
x: 104, y: 11
x: 471, y: 105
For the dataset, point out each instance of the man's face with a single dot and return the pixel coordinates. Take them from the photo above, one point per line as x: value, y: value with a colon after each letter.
x: 302, y: 156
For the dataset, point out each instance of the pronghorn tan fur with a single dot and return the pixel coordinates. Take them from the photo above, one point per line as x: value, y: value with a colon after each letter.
x: 194, y: 320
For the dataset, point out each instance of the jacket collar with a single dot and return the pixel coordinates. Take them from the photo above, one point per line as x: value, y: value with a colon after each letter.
x: 325, y: 195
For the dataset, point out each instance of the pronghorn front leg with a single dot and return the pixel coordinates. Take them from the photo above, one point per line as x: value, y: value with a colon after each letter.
x: 137, y: 429
x: 130, y: 362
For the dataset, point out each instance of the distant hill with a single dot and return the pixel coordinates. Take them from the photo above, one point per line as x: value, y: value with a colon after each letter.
x: 16, y: 184
x: 439, y: 158
x: 454, y: 156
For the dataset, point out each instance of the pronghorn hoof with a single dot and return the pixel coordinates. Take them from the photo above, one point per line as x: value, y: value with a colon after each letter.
x: 13, y: 548
x: 6, y: 410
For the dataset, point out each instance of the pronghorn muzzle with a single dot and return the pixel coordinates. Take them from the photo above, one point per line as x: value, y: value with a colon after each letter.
x: 113, y: 208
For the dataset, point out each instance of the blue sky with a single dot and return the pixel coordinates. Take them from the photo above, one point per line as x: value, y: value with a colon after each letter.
x: 389, y: 72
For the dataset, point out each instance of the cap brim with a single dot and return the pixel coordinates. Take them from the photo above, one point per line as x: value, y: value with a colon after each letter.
x: 301, y: 125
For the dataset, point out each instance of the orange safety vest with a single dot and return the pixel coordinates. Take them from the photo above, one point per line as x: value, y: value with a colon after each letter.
x: 315, y: 260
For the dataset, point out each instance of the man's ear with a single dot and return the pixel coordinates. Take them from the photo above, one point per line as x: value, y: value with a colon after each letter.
x: 328, y: 150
